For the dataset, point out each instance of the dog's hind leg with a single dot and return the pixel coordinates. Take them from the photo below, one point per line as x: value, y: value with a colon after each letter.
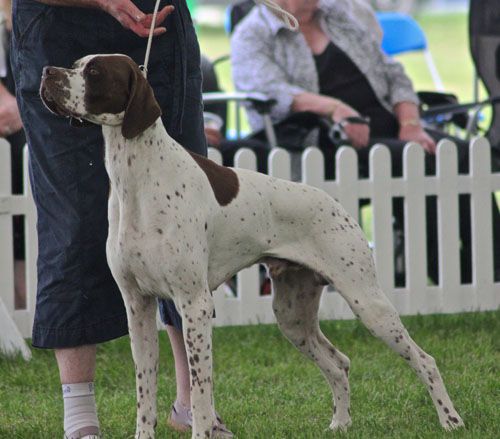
x: 297, y: 294
x: 356, y: 281
x: 141, y: 315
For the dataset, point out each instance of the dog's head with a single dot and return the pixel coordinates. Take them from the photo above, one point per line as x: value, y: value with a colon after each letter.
x: 103, y: 89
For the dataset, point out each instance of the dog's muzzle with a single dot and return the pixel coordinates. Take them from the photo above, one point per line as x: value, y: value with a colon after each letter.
x: 53, y: 91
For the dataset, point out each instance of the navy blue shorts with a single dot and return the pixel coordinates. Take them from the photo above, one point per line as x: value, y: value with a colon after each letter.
x: 78, y: 301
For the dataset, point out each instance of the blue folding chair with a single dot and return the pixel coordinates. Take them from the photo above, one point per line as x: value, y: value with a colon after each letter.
x: 402, y: 34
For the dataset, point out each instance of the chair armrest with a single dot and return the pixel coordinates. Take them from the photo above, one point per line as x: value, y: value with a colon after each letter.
x: 458, y: 108
x: 259, y: 101
x: 431, y: 99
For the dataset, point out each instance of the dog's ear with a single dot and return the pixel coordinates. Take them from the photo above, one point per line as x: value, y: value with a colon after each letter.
x: 142, y: 108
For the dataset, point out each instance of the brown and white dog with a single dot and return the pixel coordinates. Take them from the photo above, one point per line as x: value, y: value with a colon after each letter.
x: 180, y: 225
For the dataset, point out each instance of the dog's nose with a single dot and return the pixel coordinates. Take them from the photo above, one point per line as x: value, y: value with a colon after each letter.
x: 51, y: 72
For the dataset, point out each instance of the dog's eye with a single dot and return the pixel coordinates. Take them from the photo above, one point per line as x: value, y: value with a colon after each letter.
x: 93, y: 71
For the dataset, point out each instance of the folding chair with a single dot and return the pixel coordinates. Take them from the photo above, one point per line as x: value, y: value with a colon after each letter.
x: 484, y: 36
x: 402, y: 34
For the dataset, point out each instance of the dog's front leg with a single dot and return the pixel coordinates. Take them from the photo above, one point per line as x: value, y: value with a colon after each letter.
x: 197, y: 313
x: 141, y: 314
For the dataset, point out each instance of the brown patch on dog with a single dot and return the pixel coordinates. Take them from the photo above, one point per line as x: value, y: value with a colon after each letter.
x: 114, y: 84
x: 224, y: 181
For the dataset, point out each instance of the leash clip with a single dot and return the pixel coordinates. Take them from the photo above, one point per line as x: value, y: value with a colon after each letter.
x: 144, y: 70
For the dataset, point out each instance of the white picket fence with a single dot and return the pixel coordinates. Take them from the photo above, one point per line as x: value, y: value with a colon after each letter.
x: 249, y: 307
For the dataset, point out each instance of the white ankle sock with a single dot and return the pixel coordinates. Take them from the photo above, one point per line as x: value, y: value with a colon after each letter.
x: 80, y: 414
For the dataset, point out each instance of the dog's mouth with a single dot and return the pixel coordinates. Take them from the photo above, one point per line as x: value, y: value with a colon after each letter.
x: 51, y: 95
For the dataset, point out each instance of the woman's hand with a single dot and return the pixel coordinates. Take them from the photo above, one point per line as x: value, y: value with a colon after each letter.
x: 358, y: 134
x: 133, y: 18
x: 415, y: 133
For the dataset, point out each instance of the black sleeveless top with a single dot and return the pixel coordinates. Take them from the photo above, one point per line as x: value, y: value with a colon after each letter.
x: 340, y: 78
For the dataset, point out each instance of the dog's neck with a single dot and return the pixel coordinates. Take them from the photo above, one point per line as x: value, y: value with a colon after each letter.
x: 110, y: 119
x: 142, y: 160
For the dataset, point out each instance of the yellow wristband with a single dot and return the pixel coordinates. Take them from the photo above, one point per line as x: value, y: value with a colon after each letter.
x: 335, y: 106
x: 410, y: 123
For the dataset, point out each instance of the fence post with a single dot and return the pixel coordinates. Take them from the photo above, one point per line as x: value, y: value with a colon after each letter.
x: 313, y: 167
x: 415, y: 246
x: 482, y: 233
x: 24, y: 318
x: 346, y: 171
x: 6, y: 249
x: 215, y: 155
x: 448, y: 230
x: 11, y: 340
x: 380, y: 177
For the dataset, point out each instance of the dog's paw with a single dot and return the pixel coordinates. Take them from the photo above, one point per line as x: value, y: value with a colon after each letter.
x: 338, y: 425
x: 452, y: 422
x: 221, y: 432
x: 145, y: 434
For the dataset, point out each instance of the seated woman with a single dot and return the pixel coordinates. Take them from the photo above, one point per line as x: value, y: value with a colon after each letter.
x: 334, y: 66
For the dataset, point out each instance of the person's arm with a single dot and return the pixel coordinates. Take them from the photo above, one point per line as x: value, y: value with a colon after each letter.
x: 336, y: 110
x: 10, y: 120
x: 410, y: 128
x: 400, y: 85
x: 315, y: 103
x: 124, y: 11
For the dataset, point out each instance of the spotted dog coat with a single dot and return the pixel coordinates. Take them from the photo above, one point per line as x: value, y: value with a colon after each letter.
x: 180, y: 225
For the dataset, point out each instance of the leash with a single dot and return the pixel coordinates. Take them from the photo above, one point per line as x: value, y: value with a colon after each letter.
x: 290, y: 21
x: 287, y: 18
x: 144, y: 67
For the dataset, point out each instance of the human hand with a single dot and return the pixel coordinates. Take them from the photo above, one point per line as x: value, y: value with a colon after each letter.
x: 214, y: 137
x: 415, y: 133
x: 10, y: 119
x: 358, y: 134
x: 133, y: 18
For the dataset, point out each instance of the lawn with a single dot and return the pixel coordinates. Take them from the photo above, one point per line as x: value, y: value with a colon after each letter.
x: 266, y: 389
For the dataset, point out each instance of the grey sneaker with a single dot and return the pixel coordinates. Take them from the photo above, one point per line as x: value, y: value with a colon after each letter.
x: 181, y: 419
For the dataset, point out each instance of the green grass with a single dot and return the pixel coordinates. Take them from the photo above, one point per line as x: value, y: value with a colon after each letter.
x: 266, y: 389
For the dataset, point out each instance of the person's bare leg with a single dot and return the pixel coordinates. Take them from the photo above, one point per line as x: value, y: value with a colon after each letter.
x: 183, y: 382
x: 19, y: 284
x: 77, y: 371
x: 76, y: 365
x: 181, y: 366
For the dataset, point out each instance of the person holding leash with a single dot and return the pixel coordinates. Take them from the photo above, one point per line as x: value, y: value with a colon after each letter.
x: 78, y: 303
